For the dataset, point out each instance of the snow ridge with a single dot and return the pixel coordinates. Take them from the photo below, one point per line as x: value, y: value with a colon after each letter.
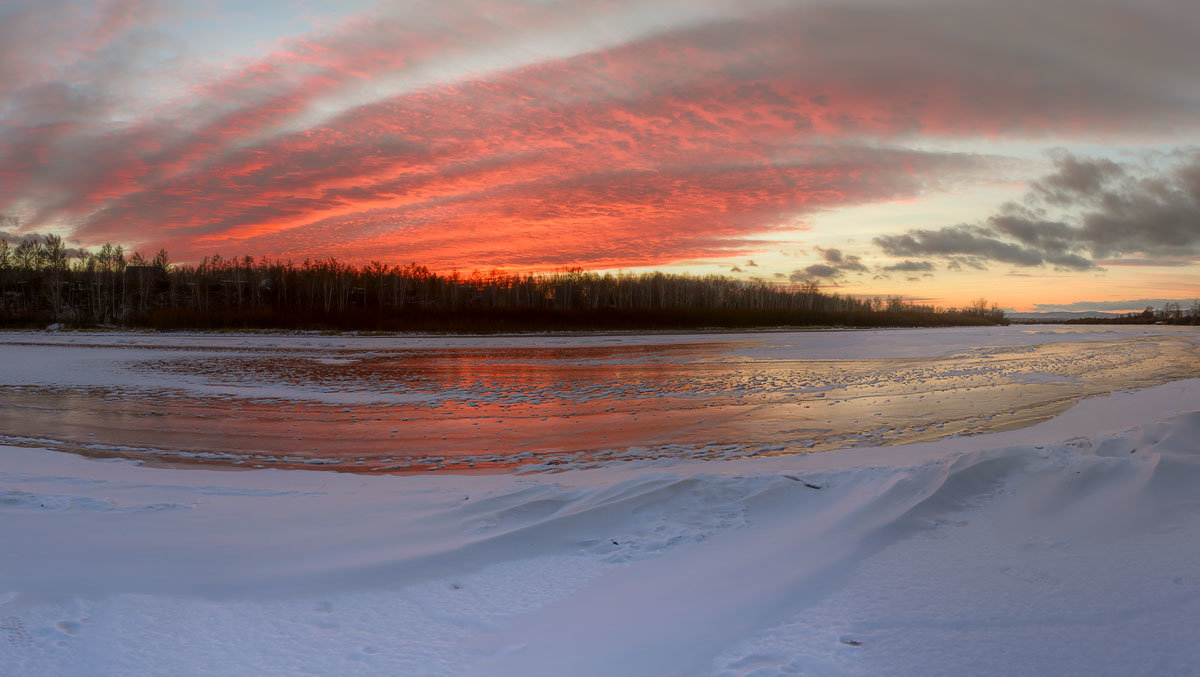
x: 1072, y: 557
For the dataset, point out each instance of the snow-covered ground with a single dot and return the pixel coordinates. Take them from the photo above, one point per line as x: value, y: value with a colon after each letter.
x: 1069, y: 547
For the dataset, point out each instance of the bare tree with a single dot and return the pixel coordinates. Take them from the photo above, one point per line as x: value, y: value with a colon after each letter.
x: 103, y: 287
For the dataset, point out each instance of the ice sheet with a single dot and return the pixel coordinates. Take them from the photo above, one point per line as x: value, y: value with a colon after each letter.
x: 389, y: 408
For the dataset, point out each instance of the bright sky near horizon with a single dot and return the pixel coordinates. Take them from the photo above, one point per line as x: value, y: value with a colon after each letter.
x: 1043, y: 155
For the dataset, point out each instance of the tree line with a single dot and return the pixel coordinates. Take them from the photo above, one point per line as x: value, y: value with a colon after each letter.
x: 1171, y: 312
x: 43, y: 282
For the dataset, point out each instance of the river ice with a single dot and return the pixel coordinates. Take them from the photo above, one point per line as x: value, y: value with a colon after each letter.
x: 1071, y: 546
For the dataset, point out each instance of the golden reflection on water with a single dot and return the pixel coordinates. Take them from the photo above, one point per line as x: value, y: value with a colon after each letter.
x: 475, y: 409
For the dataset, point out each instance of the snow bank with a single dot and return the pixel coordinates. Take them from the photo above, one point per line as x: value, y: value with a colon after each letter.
x: 1036, y: 551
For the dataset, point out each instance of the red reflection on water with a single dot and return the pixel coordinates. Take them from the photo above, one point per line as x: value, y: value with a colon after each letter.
x: 403, y: 410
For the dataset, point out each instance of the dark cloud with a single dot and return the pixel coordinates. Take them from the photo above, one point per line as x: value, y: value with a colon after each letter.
x: 14, y: 239
x: 958, y: 263
x: 1108, y: 210
x: 1124, y: 305
x: 909, y: 267
x: 815, y: 270
x: 841, y: 261
x: 11, y: 232
x: 969, y: 241
x: 837, y: 264
x: 1075, y: 178
x: 1138, y: 262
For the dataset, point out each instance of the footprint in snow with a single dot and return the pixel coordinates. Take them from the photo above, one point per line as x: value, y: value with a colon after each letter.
x: 69, y: 627
x: 14, y: 629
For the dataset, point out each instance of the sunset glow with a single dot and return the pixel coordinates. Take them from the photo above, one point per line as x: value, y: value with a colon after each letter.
x: 1033, y: 153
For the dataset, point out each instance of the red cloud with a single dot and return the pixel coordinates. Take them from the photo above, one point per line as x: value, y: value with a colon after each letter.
x: 678, y: 145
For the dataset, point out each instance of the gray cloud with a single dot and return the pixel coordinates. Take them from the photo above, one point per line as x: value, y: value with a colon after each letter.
x: 958, y: 263
x: 909, y: 267
x: 1166, y: 263
x: 837, y: 264
x: 1075, y: 178
x: 1108, y: 210
x: 970, y: 241
x: 10, y: 231
x: 14, y: 239
x: 841, y: 261
x: 1126, y: 305
x: 17, y: 238
x: 817, y: 270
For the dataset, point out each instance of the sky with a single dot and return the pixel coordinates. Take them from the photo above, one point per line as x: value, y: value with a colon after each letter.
x: 1042, y: 155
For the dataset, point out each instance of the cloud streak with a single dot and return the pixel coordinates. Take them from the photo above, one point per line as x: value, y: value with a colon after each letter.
x: 1128, y: 305
x: 690, y: 136
x: 909, y: 267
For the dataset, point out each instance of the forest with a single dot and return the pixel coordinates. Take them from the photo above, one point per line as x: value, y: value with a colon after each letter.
x: 1171, y: 312
x: 43, y: 283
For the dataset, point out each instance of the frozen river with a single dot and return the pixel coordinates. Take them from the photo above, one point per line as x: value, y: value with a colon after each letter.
x: 411, y: 404
x: 1042, y: 515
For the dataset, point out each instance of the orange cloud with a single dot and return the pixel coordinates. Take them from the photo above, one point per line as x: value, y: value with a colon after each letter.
x: 689, y: 142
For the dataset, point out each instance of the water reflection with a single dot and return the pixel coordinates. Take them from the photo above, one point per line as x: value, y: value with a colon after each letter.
x: 481, y: 408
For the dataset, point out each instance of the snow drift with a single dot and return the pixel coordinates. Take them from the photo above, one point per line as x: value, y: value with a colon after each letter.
x: 1032, y: 551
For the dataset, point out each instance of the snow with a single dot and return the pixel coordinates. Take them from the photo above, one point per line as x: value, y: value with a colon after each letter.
x: 1068, y: 547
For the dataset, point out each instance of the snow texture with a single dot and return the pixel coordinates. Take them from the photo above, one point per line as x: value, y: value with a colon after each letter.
x: 1069, y: 547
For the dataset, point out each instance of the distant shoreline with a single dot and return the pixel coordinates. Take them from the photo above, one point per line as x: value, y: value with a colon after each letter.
x: 278, y: 331
x: 506, y: 334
